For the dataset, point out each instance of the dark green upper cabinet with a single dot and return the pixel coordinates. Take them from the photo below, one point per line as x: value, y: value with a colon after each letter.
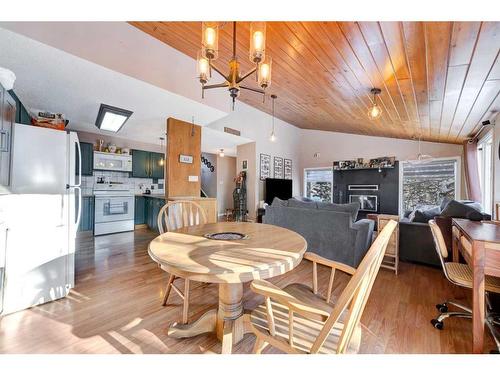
x: 147, y: 164
x: 87, y: 159
x: 140, y: 163
x: 157, y: 165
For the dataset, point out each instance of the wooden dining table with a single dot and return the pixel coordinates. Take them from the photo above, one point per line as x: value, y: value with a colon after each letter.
x: 479, y: 243
x: 265, y: 252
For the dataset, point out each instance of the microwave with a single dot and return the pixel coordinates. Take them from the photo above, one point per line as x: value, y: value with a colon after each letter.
x: 106, y: 161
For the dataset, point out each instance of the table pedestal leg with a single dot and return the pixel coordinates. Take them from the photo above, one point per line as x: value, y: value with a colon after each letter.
x: 229, y: 321
x: 478, y: 297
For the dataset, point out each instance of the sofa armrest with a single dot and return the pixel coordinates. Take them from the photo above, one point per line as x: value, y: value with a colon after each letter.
x: 364, y: 236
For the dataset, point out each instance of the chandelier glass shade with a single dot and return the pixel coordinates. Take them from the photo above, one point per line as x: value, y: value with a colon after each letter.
x: 233, y: 78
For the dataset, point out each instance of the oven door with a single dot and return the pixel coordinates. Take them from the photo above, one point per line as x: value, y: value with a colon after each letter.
x: 108, y: 209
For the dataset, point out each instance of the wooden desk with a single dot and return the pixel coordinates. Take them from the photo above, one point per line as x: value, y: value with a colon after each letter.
x: 483, y: 256
x: 268, y: 251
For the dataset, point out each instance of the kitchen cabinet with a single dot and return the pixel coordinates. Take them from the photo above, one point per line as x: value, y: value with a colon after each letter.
x: 140, y: 211
x: 147, y: 164
x: 152, y: 208
x: 87, y: 159
x: 87, y: 218
x: 157, y: 165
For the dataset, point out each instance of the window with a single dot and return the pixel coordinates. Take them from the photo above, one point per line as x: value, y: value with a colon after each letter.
x: 318, y: 184
x: 485, y: 167
x: 426, y: 184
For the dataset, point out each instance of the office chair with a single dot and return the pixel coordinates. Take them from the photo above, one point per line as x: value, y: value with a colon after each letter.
x: 461, y: 274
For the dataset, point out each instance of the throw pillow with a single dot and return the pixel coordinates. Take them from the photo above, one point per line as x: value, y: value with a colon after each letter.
x: 444, y: 203
x: 279, y: 202
x: 423, y: 216
x: 303, y: 199
x: 351, y: 208
x: 461, y: 210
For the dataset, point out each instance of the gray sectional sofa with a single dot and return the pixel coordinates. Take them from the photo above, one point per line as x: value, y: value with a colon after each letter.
x: 331, y: 230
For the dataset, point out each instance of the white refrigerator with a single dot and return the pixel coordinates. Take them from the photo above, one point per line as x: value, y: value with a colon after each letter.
x: 41, y: 217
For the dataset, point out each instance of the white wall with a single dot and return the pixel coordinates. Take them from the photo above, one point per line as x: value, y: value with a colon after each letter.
x: 226, y: 172
x: 209, y: 178
x: 247, y: 152
x: 256, y: 125
x: 341, y: 146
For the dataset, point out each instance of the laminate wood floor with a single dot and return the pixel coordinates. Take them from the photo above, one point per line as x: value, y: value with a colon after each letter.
x: 116, y: 308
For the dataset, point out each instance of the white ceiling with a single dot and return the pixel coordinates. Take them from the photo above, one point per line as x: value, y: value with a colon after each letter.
x: 51, y: 79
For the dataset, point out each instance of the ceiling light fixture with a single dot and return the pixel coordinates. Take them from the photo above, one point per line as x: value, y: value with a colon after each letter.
x: 257, y: 55
x: 421, y: 158
x: 273, y: 138
x: 111, y: 118
x: 162, y: 159
x: 221, y: 153
x: 375, y: 111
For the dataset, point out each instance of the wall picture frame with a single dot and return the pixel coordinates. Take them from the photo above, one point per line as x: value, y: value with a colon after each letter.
x: 265, y: 166
x: 288, y: 169
x: 278, y: 167
x: 244, y: 165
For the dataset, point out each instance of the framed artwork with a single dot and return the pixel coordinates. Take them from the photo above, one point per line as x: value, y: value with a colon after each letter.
x: 244, y: 165
x: 278, y: 167
x: 288, y: 169
x: 265, y: 166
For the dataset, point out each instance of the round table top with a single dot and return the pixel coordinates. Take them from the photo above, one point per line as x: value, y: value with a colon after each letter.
x: 267, y: 252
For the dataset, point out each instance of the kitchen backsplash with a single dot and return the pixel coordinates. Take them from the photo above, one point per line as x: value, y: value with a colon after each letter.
x: 140, y: 184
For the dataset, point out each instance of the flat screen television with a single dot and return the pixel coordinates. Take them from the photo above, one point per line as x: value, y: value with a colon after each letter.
x: 277, y: 187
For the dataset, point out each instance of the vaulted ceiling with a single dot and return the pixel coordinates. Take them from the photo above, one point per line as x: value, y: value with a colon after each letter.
x: 438, y: 79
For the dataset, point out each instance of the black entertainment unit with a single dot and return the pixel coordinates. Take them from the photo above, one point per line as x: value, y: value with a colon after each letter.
x: 277, y: 187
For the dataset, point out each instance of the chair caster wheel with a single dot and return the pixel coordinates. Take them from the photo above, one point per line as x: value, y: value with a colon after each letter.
x: 442, y: 307
x: 437, y: 324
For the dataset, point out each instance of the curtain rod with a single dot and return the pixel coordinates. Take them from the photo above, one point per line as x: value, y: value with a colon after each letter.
x: 484, y: 125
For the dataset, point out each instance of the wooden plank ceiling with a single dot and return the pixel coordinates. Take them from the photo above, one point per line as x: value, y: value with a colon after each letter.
x: 438, y: 79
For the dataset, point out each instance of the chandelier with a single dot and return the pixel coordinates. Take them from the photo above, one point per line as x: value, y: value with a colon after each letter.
x: 257, y: 54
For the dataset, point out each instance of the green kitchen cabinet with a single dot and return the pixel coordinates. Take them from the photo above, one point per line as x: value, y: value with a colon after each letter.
x: 157, y: 165
x: 87, y: 216
x: 152, y: 209
x: 140, y: 211
x: 87, y: 150
x: 140, y: 163
x: 147, y: 164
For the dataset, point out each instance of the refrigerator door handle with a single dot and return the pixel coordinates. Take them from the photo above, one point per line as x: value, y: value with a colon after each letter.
x: 78, y: 217
x: 79, y: 163
x: 4, y: 140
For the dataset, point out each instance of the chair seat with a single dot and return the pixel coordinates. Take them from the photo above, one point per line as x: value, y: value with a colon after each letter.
x: 462, y: 274
x: 306, y: 330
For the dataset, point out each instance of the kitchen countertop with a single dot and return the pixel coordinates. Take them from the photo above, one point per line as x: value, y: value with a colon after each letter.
x: 156, y: 196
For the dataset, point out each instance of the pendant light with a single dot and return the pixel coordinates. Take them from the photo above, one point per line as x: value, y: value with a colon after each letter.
x: 273, y: 138
x: 221, y: 153
x: 421, y: 158
x: 162, y: 159
x: 375, y: 111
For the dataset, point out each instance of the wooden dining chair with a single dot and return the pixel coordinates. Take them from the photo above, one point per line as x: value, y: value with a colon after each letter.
x: 173, y: 216
x: 296, y: 319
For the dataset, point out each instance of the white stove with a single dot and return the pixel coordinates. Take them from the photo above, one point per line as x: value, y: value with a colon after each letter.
x: 114, y: 207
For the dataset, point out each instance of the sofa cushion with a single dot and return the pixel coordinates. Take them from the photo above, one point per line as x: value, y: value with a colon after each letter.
x: 351, y: 208
x: 303, y: 199
x: 292, y: 202
x: 423, y: 216
x: 461, y: 210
